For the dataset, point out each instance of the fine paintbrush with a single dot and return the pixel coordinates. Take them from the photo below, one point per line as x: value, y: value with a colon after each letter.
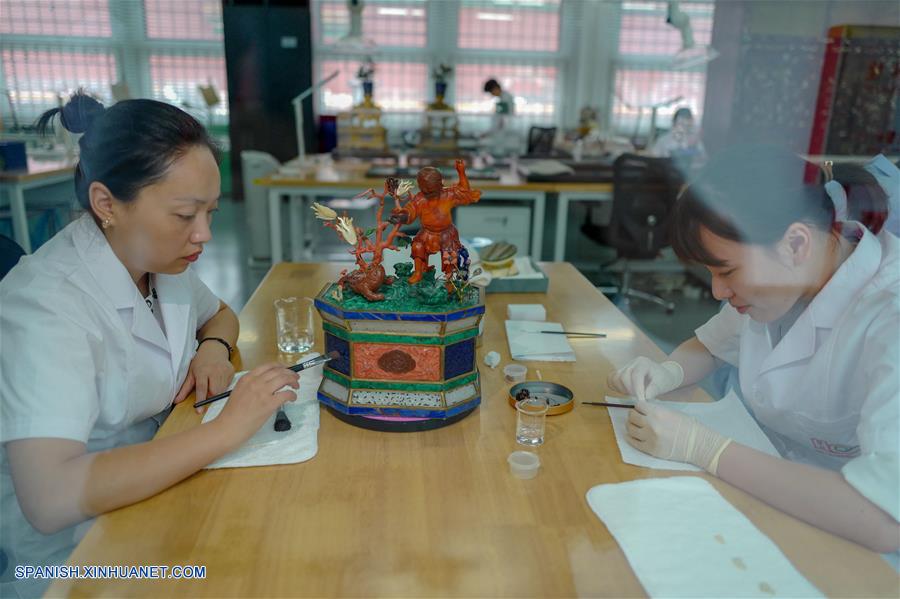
x: 574, y: 334
x: 333, y: 355
x: 608, y: 405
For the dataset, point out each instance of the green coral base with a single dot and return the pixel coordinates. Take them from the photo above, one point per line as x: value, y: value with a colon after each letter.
x: 428, y: 295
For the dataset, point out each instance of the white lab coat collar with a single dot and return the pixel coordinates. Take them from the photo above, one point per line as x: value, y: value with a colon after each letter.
x: 115, y: 281
x: 832, y: 302
x: 103, y: 264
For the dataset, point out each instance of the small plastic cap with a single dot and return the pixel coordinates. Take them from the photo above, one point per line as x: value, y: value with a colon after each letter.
x: 515, y: 373
x: 524, y: 464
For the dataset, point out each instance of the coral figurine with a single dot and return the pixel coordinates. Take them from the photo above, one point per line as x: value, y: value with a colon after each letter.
x: 432, y: 206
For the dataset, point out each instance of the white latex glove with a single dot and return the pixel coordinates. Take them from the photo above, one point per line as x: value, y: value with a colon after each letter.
x: 671, y: 435
x: 645, y: 379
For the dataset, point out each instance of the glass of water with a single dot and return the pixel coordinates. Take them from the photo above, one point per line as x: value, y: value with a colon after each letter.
x: 532, y: 414
x: 294, y: 324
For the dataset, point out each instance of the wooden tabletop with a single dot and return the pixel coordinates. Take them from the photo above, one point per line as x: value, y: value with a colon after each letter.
x: 39, y: 169
x: 353, y: 174
x: 434, y: 513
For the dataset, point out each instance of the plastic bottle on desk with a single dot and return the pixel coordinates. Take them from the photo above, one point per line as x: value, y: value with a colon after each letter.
x: 578, y: 150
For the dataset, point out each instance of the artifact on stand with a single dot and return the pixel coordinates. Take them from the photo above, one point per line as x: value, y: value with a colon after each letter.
x: 360, y: 129
x: 440, y: 131
x: 440, y: 74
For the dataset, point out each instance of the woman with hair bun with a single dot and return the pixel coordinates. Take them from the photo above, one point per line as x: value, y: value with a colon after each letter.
x: 106, y: 326
x: 812, y: 322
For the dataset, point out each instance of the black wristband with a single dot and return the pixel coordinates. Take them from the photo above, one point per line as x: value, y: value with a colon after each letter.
x: 220, y: 340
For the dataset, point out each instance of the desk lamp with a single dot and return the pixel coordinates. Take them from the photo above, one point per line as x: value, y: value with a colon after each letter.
x: 298, y: 114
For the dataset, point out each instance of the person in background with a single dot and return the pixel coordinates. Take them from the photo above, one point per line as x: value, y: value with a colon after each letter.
x: 105, y: 326
x: 501, y: 138
x: 505, y: 105
x: 682, y: 142
x: 812, y: 324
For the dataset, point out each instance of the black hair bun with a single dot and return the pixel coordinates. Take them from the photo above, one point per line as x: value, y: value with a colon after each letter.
x: 79, y: 112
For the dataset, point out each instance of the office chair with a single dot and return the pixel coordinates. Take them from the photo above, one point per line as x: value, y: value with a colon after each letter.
x: 10, y: 253
x: 540, y: 140
x: 644, y: 192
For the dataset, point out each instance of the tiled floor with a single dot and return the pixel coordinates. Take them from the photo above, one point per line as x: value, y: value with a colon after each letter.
x: 224, y: 268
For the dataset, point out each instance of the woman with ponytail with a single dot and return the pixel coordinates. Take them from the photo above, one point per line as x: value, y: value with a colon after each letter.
x: 106, y: 326
x: 812, y: 322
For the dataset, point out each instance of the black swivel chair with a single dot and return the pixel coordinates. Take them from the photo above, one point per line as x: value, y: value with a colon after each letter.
x: 540, y: 141
x: 10, y: 252
x: 644, y: 192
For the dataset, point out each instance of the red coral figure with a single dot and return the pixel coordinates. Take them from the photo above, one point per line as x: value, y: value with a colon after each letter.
x: 432, y: 206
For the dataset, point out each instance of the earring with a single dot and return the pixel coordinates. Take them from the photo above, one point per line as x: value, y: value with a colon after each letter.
x: 105, y: 223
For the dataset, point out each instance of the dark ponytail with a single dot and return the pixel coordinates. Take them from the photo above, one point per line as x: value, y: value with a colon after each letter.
x: 128, y: 146
x: 76, y: 116
x: 752, y: 194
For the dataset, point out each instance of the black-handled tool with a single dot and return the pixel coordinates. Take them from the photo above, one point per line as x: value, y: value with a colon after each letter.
x: 282, y: 422
x: 332, y: 355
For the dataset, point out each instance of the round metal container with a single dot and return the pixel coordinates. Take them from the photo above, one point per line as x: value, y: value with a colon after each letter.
x: 560, y: 398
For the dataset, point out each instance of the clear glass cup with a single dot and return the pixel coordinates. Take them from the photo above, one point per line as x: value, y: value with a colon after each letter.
x: 294, y: 324
x: 530, y: 421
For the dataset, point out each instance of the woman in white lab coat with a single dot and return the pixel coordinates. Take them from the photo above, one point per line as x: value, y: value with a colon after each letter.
x: 813, y: 325
x: 105, y: 326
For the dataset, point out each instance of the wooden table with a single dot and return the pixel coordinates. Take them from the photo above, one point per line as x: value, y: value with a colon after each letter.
x: 38, y: 174
x: 428, y: 514
x: 348, y: 178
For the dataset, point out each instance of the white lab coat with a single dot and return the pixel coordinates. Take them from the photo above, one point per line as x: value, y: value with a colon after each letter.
x: 677, y: 144
x: 828, y: 393
x: 502, y: 139
x: 84, y: 358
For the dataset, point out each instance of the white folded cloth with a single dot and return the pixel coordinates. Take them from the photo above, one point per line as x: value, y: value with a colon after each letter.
x: 526, y: 312
x: 269, y: 446
x: 683, y: 539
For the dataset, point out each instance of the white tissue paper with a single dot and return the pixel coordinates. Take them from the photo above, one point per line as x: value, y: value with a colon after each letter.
x: 535, y: 312
x: 728, y: 417
x: 528, y: 343
x: 683, y: 539
x: 268, y: 446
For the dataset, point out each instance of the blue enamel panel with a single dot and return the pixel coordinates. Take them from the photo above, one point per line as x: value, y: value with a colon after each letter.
x: 466, y: 405
x: 409, y: 316
x: 326, y: 307
x: 342, y: 347
x: 466, y: 313
x: 459, y: 358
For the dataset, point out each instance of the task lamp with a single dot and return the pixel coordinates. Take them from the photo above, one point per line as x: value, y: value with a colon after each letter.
x: 690, y: 54
x: 298, y: 113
